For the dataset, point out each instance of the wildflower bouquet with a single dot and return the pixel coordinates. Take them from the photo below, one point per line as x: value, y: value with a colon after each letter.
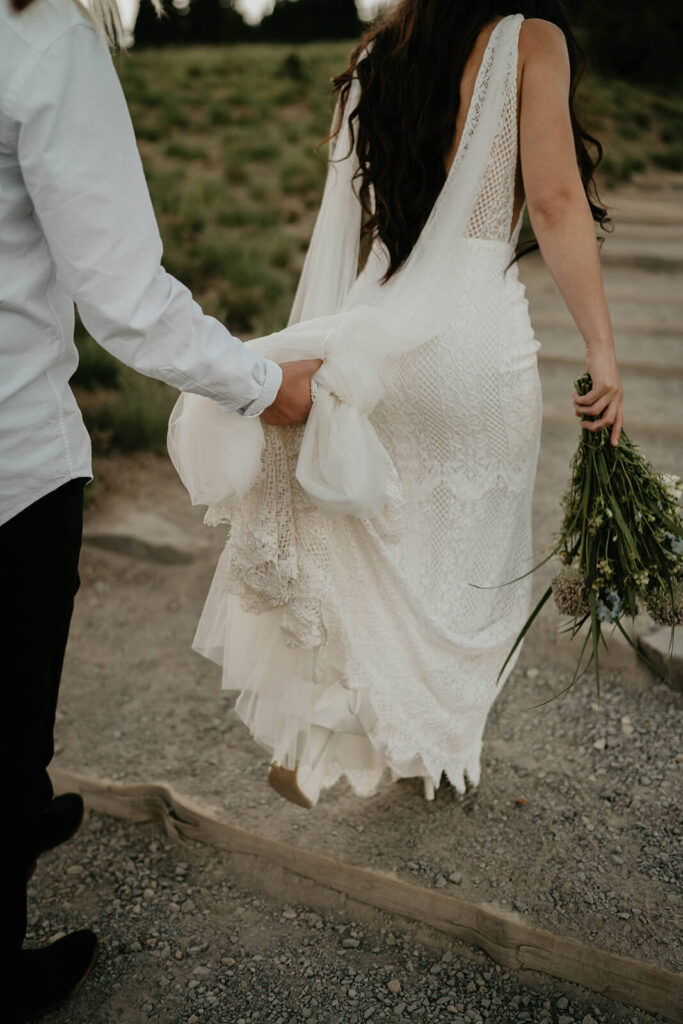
x: 621, y: 543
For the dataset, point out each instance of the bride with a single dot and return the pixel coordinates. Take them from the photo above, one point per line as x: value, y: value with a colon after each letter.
x: 343, y: 609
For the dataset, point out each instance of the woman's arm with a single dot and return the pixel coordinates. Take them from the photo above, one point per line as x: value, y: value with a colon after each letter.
x: 560, y: 214
x: 82, y: 170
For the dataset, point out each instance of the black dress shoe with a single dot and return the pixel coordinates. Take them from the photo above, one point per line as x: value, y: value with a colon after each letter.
x: 36, y: 981
x: 60, y: 820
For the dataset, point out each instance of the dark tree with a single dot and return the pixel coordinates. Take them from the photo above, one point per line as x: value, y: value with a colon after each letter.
x: 151, y: 30
x: 638, y: 41
x: 206, y: 21
x: 300, y: 21
x: 200, y: 21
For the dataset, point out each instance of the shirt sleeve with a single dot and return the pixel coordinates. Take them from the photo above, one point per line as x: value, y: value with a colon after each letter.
x: 83, y: 172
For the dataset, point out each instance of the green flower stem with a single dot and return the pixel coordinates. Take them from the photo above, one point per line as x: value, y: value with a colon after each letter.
x: 617, y: 514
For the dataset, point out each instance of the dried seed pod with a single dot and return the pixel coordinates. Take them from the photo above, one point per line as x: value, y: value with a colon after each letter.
x: 666, y: 606
x: 570, y: 593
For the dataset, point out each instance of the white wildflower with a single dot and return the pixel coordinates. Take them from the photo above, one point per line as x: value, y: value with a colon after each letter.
x: 673, y: 485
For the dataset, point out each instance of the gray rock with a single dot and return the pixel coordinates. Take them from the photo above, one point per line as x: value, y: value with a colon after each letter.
x: 142, y: 534
x: 655, y: 646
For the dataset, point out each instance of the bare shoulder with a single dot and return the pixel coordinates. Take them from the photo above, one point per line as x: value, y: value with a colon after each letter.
x: 541, y: 38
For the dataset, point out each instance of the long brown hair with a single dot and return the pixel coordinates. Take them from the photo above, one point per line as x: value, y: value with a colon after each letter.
x: 404, y: 124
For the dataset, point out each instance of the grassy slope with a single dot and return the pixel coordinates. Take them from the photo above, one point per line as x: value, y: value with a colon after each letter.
x: 229, y: 139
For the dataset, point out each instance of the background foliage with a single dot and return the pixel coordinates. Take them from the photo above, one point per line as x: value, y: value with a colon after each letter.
x: 217, y: 21
x: 230, y: 139
x: 636, y: 40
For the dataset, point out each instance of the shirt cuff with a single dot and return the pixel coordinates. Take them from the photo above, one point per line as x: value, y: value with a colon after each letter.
x: 267, y: 394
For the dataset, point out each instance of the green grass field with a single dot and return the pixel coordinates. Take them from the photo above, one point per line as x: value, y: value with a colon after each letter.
x: 230, y: 140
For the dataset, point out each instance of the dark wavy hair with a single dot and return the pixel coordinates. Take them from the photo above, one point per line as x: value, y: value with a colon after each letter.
x: 404, y: 124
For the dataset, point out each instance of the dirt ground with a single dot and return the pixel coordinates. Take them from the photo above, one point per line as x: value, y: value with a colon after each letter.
x: 576, y: 824
x: 188, y: 937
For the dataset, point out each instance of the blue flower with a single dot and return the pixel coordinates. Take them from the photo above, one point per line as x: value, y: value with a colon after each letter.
x: 608, y: 606
x: 676, y: 543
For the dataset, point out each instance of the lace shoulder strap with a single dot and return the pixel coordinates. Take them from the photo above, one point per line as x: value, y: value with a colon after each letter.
x: 494, y: 92
x: 492, y: 213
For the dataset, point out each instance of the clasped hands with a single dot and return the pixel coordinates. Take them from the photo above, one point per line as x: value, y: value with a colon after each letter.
x: 293, y: 401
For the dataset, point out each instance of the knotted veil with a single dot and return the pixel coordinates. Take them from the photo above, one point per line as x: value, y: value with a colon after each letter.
x: 354, y: 324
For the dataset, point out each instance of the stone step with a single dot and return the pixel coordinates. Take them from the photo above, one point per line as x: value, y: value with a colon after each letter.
x: 139, y: 533
x: 646, y: 230
x: 575, y: 364
x: 654, y: 287
x: 656, y: 645
x: 651, y: 185
x: 635, y: 305
x: 649, y: 404
x: 648, y: 253
x: 653, y: 354
x: 656, y: 212
x: 548, y: 317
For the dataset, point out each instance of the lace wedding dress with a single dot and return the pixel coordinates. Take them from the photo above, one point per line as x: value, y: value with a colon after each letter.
x: 345, y: 608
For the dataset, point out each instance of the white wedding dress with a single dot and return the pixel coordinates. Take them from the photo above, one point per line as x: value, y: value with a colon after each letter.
x: 343, y: 608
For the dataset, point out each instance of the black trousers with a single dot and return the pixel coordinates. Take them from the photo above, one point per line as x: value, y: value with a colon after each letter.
x: 39, y: 550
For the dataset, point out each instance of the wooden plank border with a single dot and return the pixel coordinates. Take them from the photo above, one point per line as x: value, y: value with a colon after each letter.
x: 510, y: 942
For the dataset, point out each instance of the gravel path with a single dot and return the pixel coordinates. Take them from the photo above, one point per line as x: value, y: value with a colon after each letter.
x: 183, y: 942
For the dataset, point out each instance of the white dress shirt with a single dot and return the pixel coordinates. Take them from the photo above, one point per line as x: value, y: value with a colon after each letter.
x: 77, y: 225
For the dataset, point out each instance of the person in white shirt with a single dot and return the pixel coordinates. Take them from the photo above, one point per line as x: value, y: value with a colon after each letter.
x: 76, y: 226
